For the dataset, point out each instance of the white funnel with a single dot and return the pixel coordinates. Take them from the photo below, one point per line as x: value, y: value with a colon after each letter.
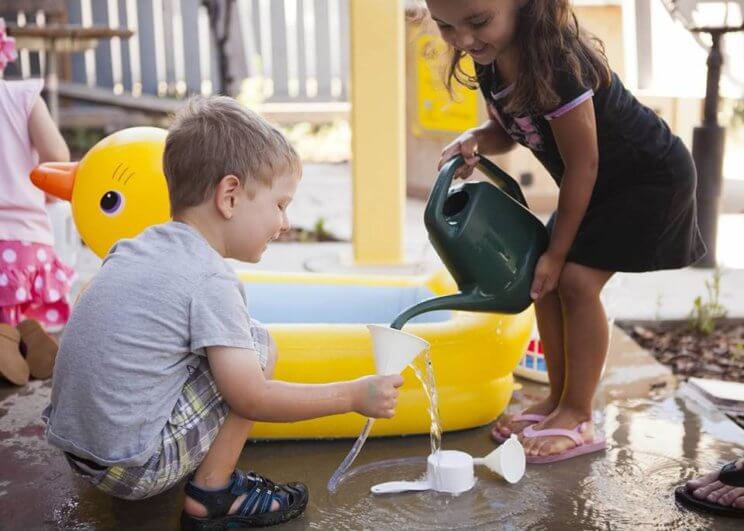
x: 508, y: 460
x: 394, y: 349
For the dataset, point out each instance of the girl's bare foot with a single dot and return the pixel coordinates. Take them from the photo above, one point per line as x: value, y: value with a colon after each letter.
x: 507, y: 425
x: 561, y: 418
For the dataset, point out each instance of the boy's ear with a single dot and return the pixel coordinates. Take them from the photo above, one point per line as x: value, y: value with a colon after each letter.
x: 227, y: 194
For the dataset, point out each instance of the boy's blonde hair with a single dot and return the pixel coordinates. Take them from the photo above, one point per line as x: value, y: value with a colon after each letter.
x: 214, y: 136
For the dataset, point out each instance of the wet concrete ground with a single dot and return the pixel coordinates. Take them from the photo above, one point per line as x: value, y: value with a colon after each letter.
x: 658, y: 437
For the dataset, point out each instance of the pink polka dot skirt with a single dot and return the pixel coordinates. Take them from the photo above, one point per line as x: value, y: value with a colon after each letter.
x: 33, y: 284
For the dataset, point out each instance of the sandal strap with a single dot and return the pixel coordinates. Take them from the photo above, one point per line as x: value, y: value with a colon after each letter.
x: 253, y: 501
x: 260, y: 499
x: 574, y: 434
x: 528, y: 417
x: 730, y: 475
x: 218, y: 502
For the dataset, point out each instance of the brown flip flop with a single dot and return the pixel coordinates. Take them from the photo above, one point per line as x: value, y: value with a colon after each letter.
x: 41, y: 348
x: 13, y: 365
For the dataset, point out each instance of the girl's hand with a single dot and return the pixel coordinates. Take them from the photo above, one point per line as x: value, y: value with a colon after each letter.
x: 547, y: 272
x: 466, y: 145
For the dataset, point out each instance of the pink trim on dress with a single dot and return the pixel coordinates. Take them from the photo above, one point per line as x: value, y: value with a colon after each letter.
x: 503, y: 92
x: 563, y: 109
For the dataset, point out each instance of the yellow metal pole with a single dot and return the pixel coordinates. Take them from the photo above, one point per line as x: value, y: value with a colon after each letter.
x: 378, y: 130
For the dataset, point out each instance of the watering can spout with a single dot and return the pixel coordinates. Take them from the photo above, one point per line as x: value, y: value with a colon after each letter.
x: 457, y: 301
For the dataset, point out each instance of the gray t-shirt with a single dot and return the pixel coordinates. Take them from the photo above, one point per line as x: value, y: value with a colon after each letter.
x: 157, y: 302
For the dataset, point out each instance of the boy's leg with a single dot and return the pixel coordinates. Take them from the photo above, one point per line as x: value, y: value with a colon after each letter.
x: 586, y: 339
x: 198, y: 427
x: 218, y: 465
x: 550, y: 325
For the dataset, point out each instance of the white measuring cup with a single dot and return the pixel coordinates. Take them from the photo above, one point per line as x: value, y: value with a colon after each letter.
x: 448, y: 471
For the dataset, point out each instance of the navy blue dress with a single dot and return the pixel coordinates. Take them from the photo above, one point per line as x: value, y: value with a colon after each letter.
x: 642, y: 213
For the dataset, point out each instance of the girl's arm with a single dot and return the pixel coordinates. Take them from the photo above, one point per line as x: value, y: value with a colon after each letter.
x: 45, y: 136
x: 488, y: 139
x: 492, y: 137
x: 576, y: 136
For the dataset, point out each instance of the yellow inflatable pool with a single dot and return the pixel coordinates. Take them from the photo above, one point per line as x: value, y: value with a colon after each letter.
x: 318, y: 322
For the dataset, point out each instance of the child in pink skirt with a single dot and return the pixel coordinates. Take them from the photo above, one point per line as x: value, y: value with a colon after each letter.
x: 33, y: 281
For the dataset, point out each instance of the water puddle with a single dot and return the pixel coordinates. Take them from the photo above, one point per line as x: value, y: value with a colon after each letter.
x: 653, y: 446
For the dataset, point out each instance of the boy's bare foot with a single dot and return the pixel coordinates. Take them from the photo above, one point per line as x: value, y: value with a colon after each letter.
x: 506, y: 425
x: 561, y: 418
x: 709, y: 488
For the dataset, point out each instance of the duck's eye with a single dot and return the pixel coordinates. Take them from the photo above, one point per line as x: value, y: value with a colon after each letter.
x: 111, y: 202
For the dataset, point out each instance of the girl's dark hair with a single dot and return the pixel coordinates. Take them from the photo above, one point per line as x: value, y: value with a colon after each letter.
x: 547, y: 37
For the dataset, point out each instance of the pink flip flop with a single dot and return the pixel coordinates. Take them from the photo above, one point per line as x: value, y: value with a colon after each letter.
x: 534, y: 418
x: 598, y: 444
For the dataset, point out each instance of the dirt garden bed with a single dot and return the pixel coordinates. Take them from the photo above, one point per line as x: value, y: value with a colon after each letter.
x: 691, y: 353
x: 717, y: 354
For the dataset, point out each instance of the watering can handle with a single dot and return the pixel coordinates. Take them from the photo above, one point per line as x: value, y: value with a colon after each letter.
x: 441, y: 186
x: 502, y: 179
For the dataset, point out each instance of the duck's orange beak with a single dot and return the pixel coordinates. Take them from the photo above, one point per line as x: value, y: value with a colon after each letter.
x: 55, y: 178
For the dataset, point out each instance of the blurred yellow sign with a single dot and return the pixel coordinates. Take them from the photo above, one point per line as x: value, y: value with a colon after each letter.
x: 437, y: 110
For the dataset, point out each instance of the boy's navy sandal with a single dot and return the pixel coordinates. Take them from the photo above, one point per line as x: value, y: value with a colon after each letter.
x: 254, y: 511
x: 729, y: 475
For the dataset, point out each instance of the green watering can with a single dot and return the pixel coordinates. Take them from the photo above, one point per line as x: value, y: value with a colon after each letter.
x: 488, y: 240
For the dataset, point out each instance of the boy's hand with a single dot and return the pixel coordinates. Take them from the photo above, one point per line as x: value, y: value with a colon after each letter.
x: 376, y: 396
x: 466, y: 145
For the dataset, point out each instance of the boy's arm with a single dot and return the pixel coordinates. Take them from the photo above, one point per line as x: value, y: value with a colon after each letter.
x: 249, y: 394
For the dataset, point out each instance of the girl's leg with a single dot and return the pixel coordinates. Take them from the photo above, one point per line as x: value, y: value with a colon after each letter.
x: 550, y: 325
x: 222, y: 458
x: 586, y: 339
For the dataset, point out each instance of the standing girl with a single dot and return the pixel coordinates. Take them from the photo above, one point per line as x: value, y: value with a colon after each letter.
x: 627, y: 189
x: 33, y: 282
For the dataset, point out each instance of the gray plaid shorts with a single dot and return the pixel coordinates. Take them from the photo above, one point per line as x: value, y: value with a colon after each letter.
x: 185, y: 439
